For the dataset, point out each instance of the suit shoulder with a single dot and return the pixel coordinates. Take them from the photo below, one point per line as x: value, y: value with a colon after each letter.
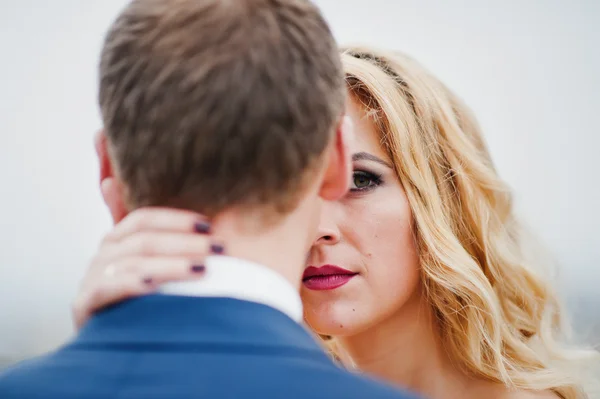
x: 18, y: 369
x: 16, y: 378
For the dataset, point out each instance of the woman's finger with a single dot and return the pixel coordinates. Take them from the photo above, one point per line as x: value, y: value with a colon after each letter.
x: 158, y: 219
x: 157, y: 270
x: 161, y: 244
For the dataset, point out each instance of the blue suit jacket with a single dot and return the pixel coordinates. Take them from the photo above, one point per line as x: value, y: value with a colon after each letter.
x: 162, y: 346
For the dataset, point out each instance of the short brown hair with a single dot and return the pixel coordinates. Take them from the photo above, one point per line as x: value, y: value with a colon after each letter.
x: 210, y: 104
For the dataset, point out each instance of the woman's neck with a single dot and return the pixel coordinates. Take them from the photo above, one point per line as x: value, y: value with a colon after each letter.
x: 406, y: 350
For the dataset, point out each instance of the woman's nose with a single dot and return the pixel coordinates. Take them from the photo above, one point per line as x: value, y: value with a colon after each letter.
x: 327, y: 235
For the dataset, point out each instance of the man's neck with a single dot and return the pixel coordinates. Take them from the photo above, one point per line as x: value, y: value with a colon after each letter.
x: 281, y: 247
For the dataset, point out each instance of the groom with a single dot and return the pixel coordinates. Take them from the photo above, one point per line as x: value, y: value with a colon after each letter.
x: 234, y: 109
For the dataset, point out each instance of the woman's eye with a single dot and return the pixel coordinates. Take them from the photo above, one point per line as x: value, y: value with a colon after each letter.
x: 364, y: 180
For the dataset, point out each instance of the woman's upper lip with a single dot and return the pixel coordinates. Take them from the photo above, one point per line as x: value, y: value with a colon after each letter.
x: 325, y: 270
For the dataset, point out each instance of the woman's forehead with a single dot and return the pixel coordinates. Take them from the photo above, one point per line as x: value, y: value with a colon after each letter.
x: 366, y: 137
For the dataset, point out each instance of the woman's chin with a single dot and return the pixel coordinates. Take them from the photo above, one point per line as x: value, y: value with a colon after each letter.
x: 335, y: 321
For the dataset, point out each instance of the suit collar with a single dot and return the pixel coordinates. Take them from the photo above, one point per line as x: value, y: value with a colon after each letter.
x: 237, y: 278
x: 188, y: 321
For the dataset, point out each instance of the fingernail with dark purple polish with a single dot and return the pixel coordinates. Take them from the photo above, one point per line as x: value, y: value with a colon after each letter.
x: 148, y: 280
x: 198, y: 269
x: 202, y: 227
x: 217, y: 249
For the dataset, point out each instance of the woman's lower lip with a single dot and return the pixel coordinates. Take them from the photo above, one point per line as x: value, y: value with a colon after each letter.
x: 330, y: 282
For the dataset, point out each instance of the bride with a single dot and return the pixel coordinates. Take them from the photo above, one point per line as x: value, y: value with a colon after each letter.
x: 432, y: 290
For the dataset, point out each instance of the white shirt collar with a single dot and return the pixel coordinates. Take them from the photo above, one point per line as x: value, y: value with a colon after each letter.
x: 240, y: 279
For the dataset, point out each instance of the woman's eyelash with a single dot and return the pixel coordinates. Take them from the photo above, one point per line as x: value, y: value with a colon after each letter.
x: 371, y: 179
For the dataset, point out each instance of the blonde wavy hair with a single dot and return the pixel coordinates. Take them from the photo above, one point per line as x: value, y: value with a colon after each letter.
x: 499, y: 319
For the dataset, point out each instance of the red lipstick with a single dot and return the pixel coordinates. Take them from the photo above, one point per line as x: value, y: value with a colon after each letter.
x: 327, y: 277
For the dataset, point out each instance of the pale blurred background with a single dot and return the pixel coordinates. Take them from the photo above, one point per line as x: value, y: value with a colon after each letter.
x: 529, y: 69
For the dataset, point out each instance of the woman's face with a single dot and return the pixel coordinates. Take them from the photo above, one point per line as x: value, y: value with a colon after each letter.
x: 368, y: 235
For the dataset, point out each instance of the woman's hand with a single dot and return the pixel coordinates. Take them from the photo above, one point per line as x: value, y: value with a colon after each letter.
x: 149, y: 247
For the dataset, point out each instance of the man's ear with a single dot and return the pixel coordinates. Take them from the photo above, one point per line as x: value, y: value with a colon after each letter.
x: 110, y: 186
x: 338, y: 170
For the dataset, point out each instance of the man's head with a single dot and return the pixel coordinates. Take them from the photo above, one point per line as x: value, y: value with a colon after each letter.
x: 211, y: 105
